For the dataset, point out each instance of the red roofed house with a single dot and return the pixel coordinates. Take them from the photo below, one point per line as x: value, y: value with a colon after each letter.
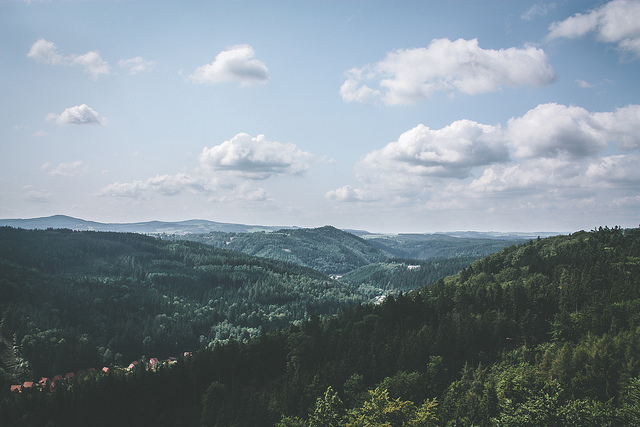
x: 16, y: 388
x: 27, y: 384
x: 69, y: 375
x: 43, y: 382
x: 153, y: 363
x: 57, y: 378
x: 105, y: 370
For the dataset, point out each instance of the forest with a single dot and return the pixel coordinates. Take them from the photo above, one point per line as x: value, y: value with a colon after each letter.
x: 545, y: 332
x: 334, y: 251
x: 79, y: 300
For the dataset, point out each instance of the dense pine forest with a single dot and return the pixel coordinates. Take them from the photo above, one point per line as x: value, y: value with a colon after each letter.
x: 541, y: 333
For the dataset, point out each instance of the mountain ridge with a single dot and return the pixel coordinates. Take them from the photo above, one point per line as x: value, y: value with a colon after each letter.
x: 203, y: 226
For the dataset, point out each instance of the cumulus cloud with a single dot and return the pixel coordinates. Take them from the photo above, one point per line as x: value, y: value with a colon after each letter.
x: 76, y: 168
x: 78, y: 115
x: 448, y: 152
x: 622, y: 126
x: 552, y: 154
x: 408, y: 76
x: 550, y: 130
x: 615, y: 22
x: 46, y: 51
x: 350, y: 194
x: 136, y: 65
x: 256, y: 157
x: 227, y: 172
x: 235, y: 64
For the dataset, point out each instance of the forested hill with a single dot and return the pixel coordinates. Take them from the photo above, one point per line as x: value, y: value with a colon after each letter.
x: 327, y: 249
x: 543, y: 333
x: 75, y: 300
x: 334, y: 251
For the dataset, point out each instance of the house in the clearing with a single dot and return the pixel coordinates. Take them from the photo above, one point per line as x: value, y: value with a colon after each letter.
x: 17, y: 388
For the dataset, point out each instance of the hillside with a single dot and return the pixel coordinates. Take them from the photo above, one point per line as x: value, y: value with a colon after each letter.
x: 440, y: 246
x: 327, y: 249
x: 74, y: 300
x: 334, y: 251
x: 405, y: 274
x: 543, y: 333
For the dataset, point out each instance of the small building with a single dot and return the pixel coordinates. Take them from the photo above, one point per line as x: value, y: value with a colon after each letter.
x: 17, y: 388
x: 153, y: 363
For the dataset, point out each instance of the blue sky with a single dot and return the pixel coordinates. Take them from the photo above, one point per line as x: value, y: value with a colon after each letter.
x: 387, y: 116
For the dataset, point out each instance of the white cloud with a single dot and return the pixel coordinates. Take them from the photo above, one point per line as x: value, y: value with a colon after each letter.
x: 584, y: 84
x: 615, y: 170
x: 551, y: 130
x: 537, y: 10
x: 92, y: 63
x: 348, y: 193
x: 46, y: 51
x: 78, y: 115
x: 448, y: 152
x: 256, y: 157
x: 167, y: 185
x: 136, y: 65
x: 408, y: 76
x: 615, y: 22
x: 245, y: 192
x: 623, y: 126
x: 551, y: 157
x: 66, y: 169
x: 235, y: 64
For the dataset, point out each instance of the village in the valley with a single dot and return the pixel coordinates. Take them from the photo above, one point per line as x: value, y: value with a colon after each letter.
x: 52, y: 384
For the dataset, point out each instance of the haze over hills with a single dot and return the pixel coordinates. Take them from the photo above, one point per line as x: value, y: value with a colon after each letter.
x: 201, y: 226
x: 193, y: 226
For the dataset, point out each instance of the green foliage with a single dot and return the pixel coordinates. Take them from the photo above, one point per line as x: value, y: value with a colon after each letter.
x: 75, y: 300
x: 326, y: 249
x: 542, y: 333
x: 380, y: 410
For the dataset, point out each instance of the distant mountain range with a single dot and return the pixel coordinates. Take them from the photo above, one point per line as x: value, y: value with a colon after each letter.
x: 193, y: 226
x: 201, y: 226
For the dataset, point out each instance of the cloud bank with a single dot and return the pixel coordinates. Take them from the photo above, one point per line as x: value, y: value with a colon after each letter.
x: 409, y: 76
x: 225, y: 171
x: 615, y: 22
x: 235, y: 64
x: 554, y: 155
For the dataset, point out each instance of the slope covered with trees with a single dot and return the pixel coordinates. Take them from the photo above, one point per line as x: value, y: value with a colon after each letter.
x: 327, y: 249
x: 543, y: 333
x: 75, y: 300
x: 334, y: 251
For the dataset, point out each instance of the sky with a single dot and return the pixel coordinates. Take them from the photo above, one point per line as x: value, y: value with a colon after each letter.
x: 386, y: 116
